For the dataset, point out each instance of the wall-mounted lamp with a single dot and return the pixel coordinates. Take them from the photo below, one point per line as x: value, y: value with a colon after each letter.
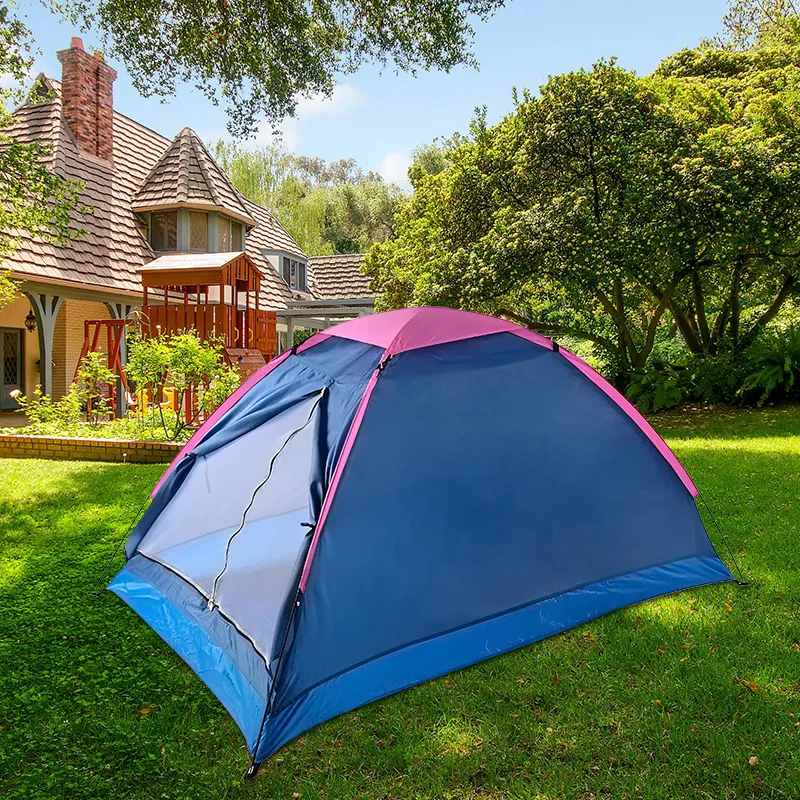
x: 30, y: 321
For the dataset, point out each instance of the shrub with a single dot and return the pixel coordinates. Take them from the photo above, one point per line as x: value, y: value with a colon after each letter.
x: 300, y: 335
x: 774, y: 360
x: 145, y: 428
x: 41, y: 409
x: 715, y: 379
x: 94, y: 379
x: 187, y: 364
x: 656, y: 390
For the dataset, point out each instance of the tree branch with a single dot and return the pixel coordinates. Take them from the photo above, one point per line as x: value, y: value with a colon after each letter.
x: 559, y: 330
x: 770, y: 313
x: 621, y: 323
x: 700, y: 308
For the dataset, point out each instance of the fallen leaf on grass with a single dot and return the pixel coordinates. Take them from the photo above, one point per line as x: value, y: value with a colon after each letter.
x: 144, y: 711
x: 753, y: 760
x: 753, y: 687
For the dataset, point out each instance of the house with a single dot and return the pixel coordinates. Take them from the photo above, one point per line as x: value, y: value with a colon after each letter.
x: 151, y: 198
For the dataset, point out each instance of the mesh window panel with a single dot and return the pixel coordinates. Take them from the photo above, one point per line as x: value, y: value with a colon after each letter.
x: 191, y: 534
x: 198, y: 231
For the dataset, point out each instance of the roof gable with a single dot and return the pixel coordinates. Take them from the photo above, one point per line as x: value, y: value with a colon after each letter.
x: 187, y: 175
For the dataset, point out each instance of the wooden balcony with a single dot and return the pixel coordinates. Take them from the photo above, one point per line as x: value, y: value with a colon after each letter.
x: 215, y: 294
x: 238, y: 328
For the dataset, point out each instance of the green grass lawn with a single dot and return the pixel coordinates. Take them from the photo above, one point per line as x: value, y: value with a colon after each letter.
x: 696, y: 695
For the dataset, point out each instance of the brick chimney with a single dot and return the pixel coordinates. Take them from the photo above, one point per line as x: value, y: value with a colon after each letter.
x: 87, y: 99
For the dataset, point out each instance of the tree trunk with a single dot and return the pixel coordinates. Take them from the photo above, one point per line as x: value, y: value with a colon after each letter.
x: 700, y: 311
x: 769, y: 314
x: 683, y: 322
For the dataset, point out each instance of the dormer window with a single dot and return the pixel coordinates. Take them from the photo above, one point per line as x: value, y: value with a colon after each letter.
x: 164, y: 231
x: 294, y: 273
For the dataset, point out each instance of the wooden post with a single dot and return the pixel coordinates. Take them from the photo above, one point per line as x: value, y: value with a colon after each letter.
x: 246, y: 334
x: 197, y: 311
x: 235, y: 315
x: 222, y: 317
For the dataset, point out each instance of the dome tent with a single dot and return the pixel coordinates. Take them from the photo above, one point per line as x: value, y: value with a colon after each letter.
x: 403, y: 495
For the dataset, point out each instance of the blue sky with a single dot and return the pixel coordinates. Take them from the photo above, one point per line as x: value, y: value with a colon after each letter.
x: 378, y: 118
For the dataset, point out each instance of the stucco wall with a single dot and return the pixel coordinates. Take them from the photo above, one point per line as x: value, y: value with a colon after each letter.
x: 13, y: 316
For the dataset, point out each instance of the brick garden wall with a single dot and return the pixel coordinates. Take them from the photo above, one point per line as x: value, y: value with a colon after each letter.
x: 88, y: 449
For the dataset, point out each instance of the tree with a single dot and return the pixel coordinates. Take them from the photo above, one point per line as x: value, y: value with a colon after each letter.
x: 544, y: 218
x: 360, y: 214
x: 189, y: 366
x: 34, y: 200
x: 256, y: 57
x: 327, y: 207
x: 433, y: 158
x: 751, y: 22
x: 257, y: 172
x: 740, y: 195
x: 610, y: 205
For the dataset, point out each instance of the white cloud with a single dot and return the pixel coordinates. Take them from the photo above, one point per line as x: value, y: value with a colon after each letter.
x: 394, y: 167
x: 344, y: 100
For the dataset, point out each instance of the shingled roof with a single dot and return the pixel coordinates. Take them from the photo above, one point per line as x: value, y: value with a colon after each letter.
x: 340, y: 276
x: 107, y: 256
x: 115, y: 245
x: 187, y: 175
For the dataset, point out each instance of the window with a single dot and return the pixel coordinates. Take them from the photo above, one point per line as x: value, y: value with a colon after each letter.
x: 198, y: 232
x: 237, y: 231
x: 223, y: 235
x: 164, y: 231
x: 294, y: 273
x: 230, y: 235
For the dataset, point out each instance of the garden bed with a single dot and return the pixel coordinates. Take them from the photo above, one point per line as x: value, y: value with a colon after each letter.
x: 85, y: 449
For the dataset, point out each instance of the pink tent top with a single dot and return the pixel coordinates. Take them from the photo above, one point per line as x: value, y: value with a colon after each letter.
x: 412, y: 328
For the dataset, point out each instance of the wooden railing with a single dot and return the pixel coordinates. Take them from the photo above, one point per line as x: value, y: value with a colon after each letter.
x: 237, y: 328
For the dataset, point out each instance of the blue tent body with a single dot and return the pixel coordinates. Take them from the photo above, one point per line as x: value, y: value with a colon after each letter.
x: 402, y: 496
